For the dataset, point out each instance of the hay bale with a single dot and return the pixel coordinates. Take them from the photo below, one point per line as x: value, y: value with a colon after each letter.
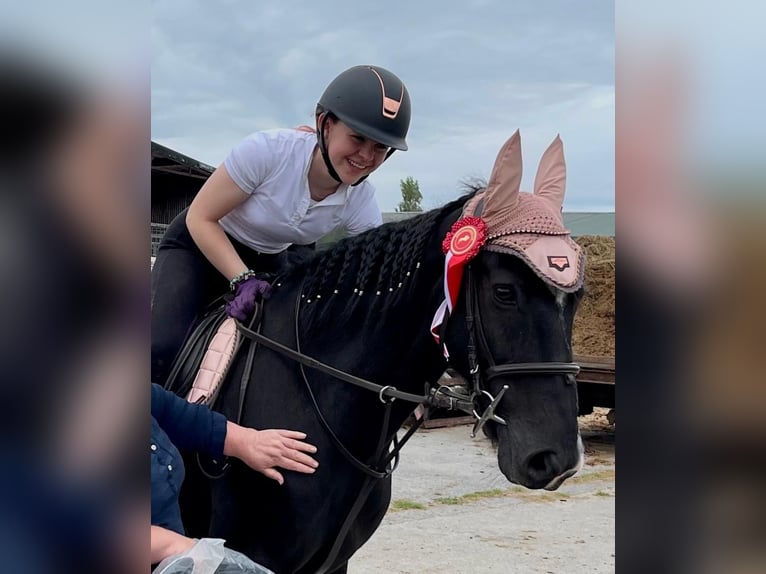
x: 593, y: 332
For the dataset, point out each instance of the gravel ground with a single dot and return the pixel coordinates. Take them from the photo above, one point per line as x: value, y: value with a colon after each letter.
x: 453, y: 511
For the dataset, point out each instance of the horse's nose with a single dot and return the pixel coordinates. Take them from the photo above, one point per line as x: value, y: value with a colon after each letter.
x: 542, y: 466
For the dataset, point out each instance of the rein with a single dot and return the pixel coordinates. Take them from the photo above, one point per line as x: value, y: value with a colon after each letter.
x: 387, y: 394
x: 382, y: 391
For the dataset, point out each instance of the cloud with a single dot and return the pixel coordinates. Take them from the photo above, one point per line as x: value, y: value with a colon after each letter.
x: 475, y: 74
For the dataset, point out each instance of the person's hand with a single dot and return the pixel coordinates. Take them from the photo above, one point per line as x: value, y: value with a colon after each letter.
x: 248, y: 292
x: 266, y: 450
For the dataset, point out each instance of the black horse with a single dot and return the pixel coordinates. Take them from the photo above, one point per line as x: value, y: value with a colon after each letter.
x: 365, y: 306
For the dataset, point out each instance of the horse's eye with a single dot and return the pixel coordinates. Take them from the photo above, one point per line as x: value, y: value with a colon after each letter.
x: 505, y: 295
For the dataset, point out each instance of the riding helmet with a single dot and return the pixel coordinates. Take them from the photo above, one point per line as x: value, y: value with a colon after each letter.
x: 373, y: 102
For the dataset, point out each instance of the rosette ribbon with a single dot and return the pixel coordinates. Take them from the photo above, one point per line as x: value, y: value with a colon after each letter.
x: 461, y: 244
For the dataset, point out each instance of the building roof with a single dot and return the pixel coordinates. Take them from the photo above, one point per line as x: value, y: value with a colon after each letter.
x: 167, y: 160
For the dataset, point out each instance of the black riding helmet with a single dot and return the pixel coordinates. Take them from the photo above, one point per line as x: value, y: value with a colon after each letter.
x: 371, y: 101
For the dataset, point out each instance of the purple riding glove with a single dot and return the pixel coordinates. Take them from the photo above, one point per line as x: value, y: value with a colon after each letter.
x: 248, y: 292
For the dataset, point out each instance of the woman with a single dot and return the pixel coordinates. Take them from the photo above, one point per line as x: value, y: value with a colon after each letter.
x: 275, y: 190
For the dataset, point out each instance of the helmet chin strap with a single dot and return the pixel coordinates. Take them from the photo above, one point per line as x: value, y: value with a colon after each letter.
x: 323, y: 149
x: 326, y: 156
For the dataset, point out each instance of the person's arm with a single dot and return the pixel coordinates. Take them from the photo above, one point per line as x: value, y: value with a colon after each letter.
x: 196, y: 427
x: 189, y: 427
x: 218, y: 196
x: 165, y: 543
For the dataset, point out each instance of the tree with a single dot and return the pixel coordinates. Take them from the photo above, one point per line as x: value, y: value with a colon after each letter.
x: 411, y: 196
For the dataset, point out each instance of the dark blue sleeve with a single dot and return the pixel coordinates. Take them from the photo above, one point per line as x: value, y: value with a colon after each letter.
x: 189, y: 426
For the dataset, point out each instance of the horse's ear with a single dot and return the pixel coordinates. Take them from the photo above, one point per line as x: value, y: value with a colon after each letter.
x: 505, y: 181
x: 551, y: 178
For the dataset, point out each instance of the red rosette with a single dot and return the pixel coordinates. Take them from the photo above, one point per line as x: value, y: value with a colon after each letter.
x: 461, y: 244
x: 466, y: 237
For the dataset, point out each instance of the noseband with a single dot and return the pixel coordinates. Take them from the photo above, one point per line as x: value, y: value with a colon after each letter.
x: 476, y: 334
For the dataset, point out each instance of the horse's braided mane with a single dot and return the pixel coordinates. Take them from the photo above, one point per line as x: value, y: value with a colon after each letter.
x: 376, y: 262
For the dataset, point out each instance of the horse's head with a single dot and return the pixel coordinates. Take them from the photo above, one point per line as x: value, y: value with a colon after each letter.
x: 515, y: 278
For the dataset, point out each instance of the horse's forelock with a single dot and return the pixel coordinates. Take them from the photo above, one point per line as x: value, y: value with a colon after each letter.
x: 472, y: 186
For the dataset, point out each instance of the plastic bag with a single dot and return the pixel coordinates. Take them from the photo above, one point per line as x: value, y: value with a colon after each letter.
x: 237, y: 563
x: 209, y: 556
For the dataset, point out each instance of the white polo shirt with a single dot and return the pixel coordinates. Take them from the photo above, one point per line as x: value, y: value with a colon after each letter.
x: 272, y: 167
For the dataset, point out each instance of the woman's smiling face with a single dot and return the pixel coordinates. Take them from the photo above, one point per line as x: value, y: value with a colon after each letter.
x: 352, y: 155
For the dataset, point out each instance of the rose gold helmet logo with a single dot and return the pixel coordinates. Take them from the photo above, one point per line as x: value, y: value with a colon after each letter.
x: 390, y: 106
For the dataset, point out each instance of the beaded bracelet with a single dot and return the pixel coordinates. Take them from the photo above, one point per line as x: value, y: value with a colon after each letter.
x: 247, y: 274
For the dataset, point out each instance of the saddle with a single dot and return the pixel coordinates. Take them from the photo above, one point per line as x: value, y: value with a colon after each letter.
x: 201, y: 366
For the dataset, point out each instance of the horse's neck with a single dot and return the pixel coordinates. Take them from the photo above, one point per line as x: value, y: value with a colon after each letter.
x: 407, y: 324
x: 387, y: 342
x: 384, y: 335
x: 400, y: 345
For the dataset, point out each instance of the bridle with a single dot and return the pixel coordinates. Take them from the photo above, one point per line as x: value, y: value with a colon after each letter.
x: 476, y: 333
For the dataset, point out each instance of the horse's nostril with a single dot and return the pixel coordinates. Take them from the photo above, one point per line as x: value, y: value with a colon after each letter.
x: 542, y: 462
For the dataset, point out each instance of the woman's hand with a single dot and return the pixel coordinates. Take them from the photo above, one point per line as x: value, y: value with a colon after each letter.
x: 248, y: 292
x: 266, y: 450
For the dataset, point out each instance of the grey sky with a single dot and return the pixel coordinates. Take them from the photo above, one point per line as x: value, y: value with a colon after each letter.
x: 476, y: 70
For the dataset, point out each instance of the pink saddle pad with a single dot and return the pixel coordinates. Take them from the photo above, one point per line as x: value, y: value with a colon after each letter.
x: 215, y: 363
